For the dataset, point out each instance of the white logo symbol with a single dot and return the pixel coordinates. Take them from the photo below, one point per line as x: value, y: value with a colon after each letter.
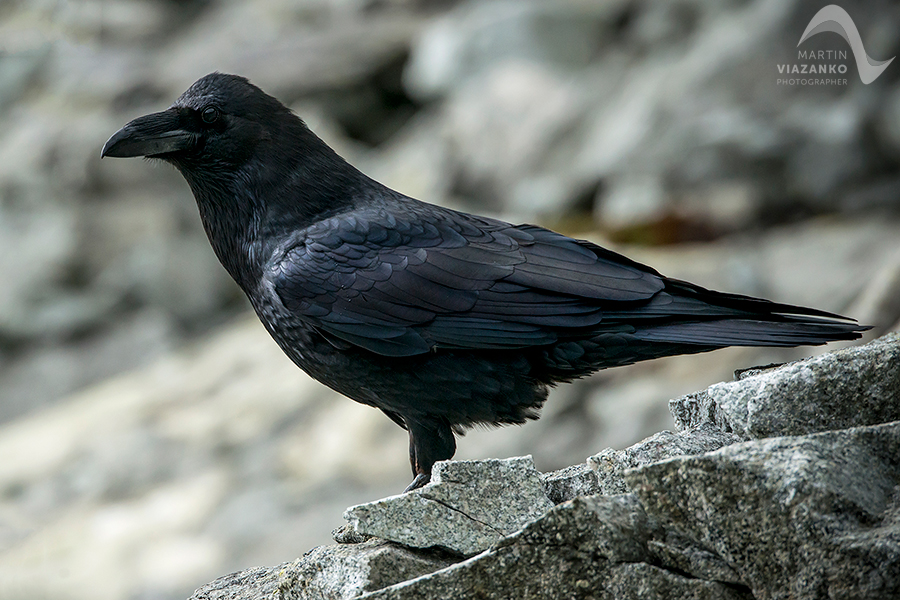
x: 834, y: 18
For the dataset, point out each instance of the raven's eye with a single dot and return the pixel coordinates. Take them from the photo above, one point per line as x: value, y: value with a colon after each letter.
x: 210, y: 115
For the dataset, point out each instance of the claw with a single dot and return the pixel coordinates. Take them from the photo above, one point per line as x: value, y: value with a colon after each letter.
x: 420, y: 480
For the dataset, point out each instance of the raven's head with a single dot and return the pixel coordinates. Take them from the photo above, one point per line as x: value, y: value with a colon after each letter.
x: 218, y: 123
x: 252, y: 164
x: 224, y: 131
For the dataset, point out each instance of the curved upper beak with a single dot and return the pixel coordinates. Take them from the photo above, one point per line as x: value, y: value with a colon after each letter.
x: 150, y: 135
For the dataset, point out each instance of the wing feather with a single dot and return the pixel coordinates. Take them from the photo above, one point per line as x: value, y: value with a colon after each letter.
x: 406, y: 279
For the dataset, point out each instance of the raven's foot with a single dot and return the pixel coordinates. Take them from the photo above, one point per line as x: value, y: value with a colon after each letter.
x: 429, y: 441
x: 420, y: 480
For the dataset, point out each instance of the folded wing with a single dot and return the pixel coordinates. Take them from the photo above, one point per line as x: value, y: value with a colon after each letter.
x: 401, y: 287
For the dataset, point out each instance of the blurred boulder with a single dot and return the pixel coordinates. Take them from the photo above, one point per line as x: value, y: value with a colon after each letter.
x: 290, y: 49
x: 663, y: 106
x: 468, y: 41
x: 500, y: 127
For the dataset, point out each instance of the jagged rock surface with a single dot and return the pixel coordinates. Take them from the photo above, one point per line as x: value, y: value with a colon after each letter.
x: 451, y: 512
x: 706, y: 516
x: 851, y: 387
x: 593, y: 547
x: 796, y: 517
x: 333, y: 572
x: 610, y: 465
x: 604, y: 473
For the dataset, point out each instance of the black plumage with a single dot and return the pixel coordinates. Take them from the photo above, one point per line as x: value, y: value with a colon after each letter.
x: 441, y: 319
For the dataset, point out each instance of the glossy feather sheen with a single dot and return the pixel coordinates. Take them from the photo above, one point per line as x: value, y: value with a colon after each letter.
x: 439, y: 318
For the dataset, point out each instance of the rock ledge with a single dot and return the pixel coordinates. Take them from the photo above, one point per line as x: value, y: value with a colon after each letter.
x: 783, y: 484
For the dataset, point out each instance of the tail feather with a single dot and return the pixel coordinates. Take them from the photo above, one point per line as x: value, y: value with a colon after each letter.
x: 741, y: 303
x: 778, y: 330
x: 702, y: 317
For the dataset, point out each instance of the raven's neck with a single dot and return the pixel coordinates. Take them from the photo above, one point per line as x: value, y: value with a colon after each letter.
x: 248, y: 212
x: 230, y: 214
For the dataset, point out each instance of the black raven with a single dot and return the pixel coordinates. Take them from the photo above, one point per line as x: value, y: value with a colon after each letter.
x: 441, y: 319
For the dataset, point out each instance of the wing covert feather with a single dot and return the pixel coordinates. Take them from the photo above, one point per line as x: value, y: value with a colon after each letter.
x: 401, y: 284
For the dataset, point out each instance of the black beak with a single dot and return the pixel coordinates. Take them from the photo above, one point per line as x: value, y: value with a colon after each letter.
x: 150, y: 135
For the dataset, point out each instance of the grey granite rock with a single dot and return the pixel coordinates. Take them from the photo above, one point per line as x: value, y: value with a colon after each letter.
x: 592, y: 547
x: 603, y: 473
x: 552, y: 557
x: 698, y: 409
x: 468, y: 506
x: 346, y: 534
x: 326, y: 572
x: 258, y: 583
x: 570, y: 483
x: 851, y: 387
x: 641, y: 581
x: 685, y: 555
x: 795, y: 517
x: 610, y: 465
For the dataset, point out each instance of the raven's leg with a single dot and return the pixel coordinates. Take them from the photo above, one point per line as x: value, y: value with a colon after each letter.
x: 429, y: 442
x: 412, y: 454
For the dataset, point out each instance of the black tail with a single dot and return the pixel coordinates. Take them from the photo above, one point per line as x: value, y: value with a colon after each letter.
x: 777, y: 330
x: 706, y: 318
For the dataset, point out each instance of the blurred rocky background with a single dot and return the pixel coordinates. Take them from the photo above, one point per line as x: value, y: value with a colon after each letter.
x: 153, y: 438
